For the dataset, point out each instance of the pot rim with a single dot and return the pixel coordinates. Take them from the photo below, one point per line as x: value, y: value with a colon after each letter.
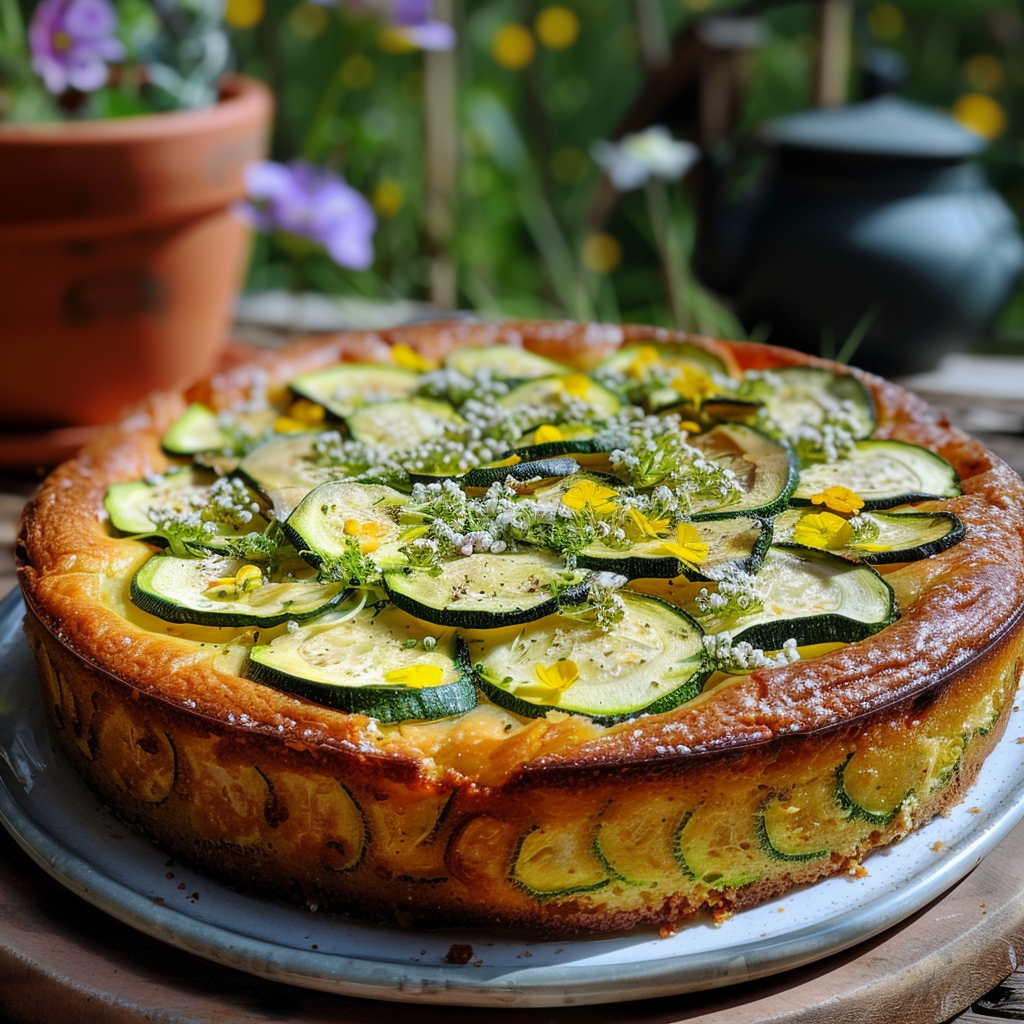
x: 242, y: 100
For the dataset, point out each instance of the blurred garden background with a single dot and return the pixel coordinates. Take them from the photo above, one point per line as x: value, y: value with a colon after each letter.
x: 480, y: 161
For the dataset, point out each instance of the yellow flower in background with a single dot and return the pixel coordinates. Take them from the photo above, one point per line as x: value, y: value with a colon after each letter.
x: 307, y: 20
x: 587, y: 494
x: 839, y: 499
x: 409, y: 359
x: 644, y: 526
x: 557, y: 27
x: 243, y: 13
x: 687, y: 547
x: 984, y: 72
x: 368, y: 533
x: 416, y: 676
x: 559, y: 676
x: 388, y: 198
x: 547, y: 433
x: 886, y: 21
x: 980, y: 114
x: 393, y: 40
x: 602, y: 253
x: 512, y: 460
x: 823, y: 530
x: 569, y: 164
x: 513, y: 47
x: 690, y: 427
x: 357, y: 72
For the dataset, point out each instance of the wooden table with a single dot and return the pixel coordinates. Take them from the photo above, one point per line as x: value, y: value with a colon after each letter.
x: 64, y: 961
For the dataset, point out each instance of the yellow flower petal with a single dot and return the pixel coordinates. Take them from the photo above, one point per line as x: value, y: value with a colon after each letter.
x: 512, y: 460
x: 409, y: 359
x: 547, y: 433
x: 368, y: 533
x: 559, y: 676
x: 646, y: 357
x: 576, y: 384
x: 646, y: 527
x: 823, y: 530
x: 690, y: 427
x: 587, y: 494
x: 872, y: 547
x: 839, y: 499
x: 687, y: 547
x: 248, y: 578
x: 416, y: 676
x: 693, y: 384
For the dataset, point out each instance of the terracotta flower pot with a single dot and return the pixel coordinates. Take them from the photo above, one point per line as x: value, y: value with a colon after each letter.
x: 119, y: 254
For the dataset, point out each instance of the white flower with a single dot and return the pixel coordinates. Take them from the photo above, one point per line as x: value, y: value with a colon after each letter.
x: 652, y: 153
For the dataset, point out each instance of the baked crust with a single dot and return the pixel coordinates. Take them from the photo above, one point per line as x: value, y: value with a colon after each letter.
x: 431, y: 822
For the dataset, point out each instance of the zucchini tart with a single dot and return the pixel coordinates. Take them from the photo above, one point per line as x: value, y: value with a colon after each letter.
x: 551, y: 626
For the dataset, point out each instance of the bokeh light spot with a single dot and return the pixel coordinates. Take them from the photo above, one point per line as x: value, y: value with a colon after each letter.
x: 388, y: 197
x: 984, y: 73
x: 980, y: 114
x: 357, y: 71
x: 307, y: 20
x: 886, y: 22
x: 569, y: 164
x: 243, y: 13
x: 557, y: 27
x: 602, y: 253
x: 513, y: 47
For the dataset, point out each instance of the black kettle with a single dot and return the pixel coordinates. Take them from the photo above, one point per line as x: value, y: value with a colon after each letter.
x: 870, y: 227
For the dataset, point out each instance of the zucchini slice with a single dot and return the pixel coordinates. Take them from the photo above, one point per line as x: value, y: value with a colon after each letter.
x: 902, y: 536
x: 378, y: 662
x: 809, y: 395
x: 558, y: 860
x: 652, y: 661
x: 346, y: 387
x: 718, y: 842
x: 204, y: 591
x: 487, y: 591
x: 578, y: 439
x: 403, y: 423
x: 196, y: 430
x: 812, y: 596
x: 805, y: 824
x: 505, y: 362
x: 340, y: 513
x: 140, y: 508
x: 883, y: 474
x: 549, y: 398
x: 738, y: 541
x: 637, y: 839
x: 766, y: 471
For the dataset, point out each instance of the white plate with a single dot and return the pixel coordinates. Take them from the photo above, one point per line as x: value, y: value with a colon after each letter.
x: 55, y: 818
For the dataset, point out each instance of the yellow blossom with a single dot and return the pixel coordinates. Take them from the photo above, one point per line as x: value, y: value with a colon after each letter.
x: 646, y: 527
x: 559, y: 676
x: 872, y: 546
x: 409, y: 359
x: 690, y: 427
x: 839, y: 499
x: 368, y: 533
x: 587, y: 494
x: 512, y: 460
x: 547, y: 433
x: 243, y: 13
x: 416, y: 676
x: 980, y: 114
x: 513, y: 47
x: 557, y: 27
x: 576, y: 384
x: 687, y: 547
x: 646, y: 357
x: 824, y: 530
x: 302, y: 415
x: 601, y: 253
x: 246, y: 579
x: 693, y: 384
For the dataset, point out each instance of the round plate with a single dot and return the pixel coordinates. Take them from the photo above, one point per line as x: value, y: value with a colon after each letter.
x: 58, y: 821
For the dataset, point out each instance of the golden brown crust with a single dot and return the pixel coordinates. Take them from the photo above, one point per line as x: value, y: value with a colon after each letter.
x: 953, y: 607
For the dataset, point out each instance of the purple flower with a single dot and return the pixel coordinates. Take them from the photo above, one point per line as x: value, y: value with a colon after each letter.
x: 408, y: 20
x: 72, y: 41
x: 311, y: 203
